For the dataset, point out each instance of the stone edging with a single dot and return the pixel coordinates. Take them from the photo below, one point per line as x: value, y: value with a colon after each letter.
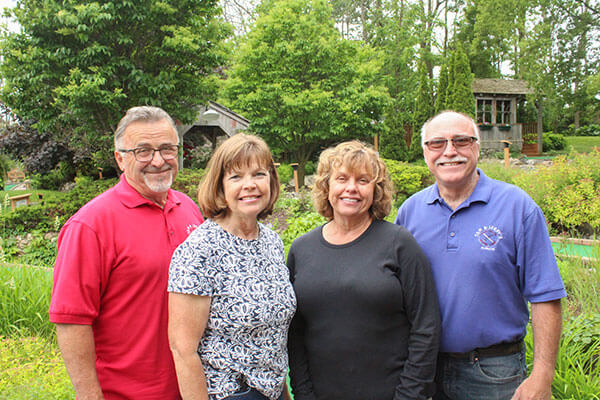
x: 583, y: 242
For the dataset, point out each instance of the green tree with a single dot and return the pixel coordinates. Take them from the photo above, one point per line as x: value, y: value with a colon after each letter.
x: 460, y: 97
x: 423, y: 111
x: 392, y: 144
x: 301, y: 85
x: 76, y: 66
x: 441, y: 98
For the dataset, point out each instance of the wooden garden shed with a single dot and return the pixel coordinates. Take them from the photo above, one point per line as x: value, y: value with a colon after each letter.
x: 496, y: 102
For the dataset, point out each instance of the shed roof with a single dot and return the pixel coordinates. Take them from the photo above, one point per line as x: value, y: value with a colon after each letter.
x: 501, y: 86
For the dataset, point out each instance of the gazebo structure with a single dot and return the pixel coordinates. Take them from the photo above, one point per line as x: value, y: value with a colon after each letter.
x: 213, y: 121
x: 496, y: 112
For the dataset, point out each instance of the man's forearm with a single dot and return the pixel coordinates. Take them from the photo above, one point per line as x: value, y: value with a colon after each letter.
x: 546, y: 321
x: 76, y: 344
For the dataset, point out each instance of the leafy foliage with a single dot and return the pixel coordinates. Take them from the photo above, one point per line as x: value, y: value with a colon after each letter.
x: 553, y: 141
x: 285, y: 173
x: 76, y: 66
x: 301, y: 85
x: 300, y: 225
x: 392, y: 144
x: 588, y: 130
x: 423, y: 111
x: 187, y: 181
x: 568, y: 192
x: 39, y: 152
x: 441, y: 99
x: 408, y: 178
x: 460, y: 93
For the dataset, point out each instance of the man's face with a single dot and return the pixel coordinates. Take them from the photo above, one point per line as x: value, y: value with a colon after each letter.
x: 152, y: 179
x: 452, y: 167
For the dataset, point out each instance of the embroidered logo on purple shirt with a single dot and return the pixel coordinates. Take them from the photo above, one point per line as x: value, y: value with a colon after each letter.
x: 488, y: 237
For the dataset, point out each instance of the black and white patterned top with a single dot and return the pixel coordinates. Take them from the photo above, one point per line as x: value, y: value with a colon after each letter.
x: 252, y: 304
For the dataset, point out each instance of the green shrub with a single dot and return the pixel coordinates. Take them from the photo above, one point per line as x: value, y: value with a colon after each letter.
x: 31, y: 368
x: 285, y: 173
x: 408, y: 178
x: 24, y: 301
x: 588, y: 130
x: 294, y: 204
x: 568, y: 192
x: 310, y: 168
x: 553, y: 141
x: 187, y: 182
x: 54, y: 179
x: 298, y: 226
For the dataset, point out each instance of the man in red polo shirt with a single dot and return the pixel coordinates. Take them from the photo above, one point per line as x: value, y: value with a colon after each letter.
x: 109, y: 299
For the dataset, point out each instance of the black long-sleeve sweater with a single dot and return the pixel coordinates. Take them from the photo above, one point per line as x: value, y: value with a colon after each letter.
x: 367, y: 325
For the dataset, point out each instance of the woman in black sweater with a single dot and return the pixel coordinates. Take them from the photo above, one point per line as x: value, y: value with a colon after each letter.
x: 367, y: 324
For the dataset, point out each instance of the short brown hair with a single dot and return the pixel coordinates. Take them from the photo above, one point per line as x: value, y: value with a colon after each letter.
x: 238, y: 152
x: 353, y: 155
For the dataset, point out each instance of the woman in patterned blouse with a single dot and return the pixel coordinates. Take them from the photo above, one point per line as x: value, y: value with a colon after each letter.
x: 230, y: 300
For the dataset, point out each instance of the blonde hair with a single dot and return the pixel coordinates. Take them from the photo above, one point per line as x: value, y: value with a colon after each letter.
x: 238, y: 152
x: 353, y: 156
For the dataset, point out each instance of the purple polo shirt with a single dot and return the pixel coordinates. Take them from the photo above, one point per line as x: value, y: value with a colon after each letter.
x: 489, y: 257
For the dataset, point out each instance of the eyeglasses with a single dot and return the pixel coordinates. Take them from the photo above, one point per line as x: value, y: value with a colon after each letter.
x: 145, y: 154
x: 460, y: 142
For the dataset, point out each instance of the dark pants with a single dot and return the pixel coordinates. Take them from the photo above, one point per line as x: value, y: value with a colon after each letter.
x: 249, y: 394
x: 480, y: 378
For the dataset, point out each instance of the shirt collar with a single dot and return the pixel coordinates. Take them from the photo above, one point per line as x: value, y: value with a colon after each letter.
x: 131, y: 198
x: 481, y: 193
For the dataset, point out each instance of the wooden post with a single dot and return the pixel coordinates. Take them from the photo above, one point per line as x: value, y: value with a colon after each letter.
x: 295, y: 167
x: 506, y: 152
x: 99, y: 173
x: 540, y: 128
x: 376, y: 143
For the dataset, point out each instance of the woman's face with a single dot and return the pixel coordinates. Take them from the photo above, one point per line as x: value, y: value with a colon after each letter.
x: 247, y: 191
x: 351, y: 192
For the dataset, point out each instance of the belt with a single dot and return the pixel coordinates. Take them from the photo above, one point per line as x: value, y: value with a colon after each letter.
x: 496, y: 350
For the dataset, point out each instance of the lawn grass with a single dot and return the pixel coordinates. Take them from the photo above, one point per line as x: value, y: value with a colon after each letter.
x: 583, y: 144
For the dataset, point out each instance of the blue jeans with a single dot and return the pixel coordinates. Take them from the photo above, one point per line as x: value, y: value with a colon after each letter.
x: 484, y: 378
x: 249, y: 393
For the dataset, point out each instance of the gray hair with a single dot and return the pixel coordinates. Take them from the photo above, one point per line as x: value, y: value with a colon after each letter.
x: 144, y: 114
x: 424, y: 127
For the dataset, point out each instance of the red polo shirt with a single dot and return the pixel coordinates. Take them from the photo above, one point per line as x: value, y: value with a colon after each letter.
x: 111, y: 272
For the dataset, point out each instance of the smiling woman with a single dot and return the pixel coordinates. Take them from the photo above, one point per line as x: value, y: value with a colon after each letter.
x: 367, y: 324
x: 231, y: 301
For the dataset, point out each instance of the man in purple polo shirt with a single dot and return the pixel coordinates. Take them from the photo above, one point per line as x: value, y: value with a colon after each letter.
x: 109, y: 299
x: 490, y: 254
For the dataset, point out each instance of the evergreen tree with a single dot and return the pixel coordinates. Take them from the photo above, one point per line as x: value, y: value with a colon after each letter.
x: 392, y: 144
x: 423, y: 111
x: 461, y: 97
x: 441, y: 98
